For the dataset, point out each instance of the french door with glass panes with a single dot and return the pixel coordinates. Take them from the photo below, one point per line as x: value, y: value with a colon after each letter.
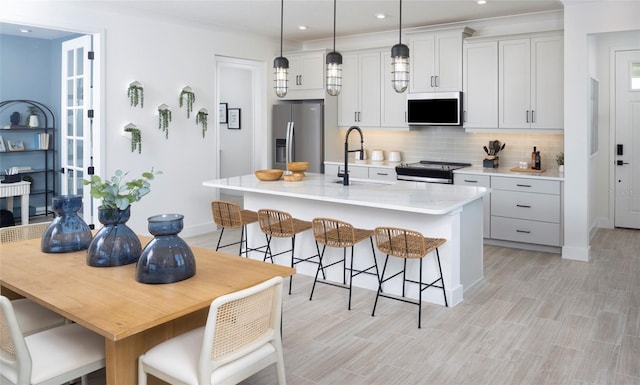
x: 76, y: 124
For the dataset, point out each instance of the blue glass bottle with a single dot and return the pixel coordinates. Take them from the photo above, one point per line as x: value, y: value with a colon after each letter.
x: 115, y: 244
x: 166, y: 258
x: 67, y: 232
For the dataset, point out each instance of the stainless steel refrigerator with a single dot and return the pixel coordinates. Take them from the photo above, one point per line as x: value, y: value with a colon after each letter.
x: 298, y: 134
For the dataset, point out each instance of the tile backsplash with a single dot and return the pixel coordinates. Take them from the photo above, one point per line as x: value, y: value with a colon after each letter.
x: 454, y: 144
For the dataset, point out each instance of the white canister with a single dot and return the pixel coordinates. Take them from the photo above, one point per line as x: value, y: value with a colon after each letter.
x: 377, y: 155
x: 394, y: 156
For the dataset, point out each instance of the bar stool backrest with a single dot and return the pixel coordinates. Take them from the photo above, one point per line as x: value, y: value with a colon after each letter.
x: 276, y: 223
x: 226, y: 214
x: 400, y: 242
x: 333, y: 232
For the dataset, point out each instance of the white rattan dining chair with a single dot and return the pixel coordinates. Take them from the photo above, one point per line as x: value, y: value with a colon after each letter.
x: 31, y: 317
x: 240, y: 338
x: 54, y: 356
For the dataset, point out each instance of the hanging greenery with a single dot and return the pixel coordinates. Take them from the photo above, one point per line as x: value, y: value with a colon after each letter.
x: 201, y: 118
x: 135, y: 92
x: 187, y: 95
x: 164, y: 119
x: 136, y: 137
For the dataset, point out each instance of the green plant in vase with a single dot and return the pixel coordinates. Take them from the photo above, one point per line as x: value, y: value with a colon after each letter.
x: 201, y: 118
x: 136, y: 137
x: 560, y: 159
x: 32, y: 118
x: 164, y: 119
x: 187, y: 97
x: 135, y: 92
x: 115, y: 244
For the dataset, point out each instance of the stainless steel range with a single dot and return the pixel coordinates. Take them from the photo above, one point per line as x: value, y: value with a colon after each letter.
x: 429, y: 171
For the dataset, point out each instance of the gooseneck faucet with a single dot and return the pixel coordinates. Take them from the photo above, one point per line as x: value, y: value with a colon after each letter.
x: 345, y: 173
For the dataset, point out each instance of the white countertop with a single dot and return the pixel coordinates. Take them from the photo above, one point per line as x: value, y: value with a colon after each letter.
x: 426, y: 198
x: 505, y: 171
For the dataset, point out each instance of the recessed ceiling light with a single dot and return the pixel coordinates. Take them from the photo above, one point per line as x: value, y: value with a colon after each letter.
x: 481, y: 2
x: 381, y: 16
x: 24, y: 30
x: 302, y: 27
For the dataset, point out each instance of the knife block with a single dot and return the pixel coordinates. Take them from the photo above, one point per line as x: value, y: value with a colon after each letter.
x: 491, y: 163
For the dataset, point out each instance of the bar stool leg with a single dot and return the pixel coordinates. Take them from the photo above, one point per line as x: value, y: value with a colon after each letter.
x: 444, y: 292
x: 243, y: 240
x: 320, y: 254
x: 293, y: 245
x: 219, y: 239
x: 351, y: 275
x: 267, y: 250
x: 420, y: 296
x: 384, y: 268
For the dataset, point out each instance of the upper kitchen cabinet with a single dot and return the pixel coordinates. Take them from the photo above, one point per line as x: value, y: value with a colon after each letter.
x: 530, y: 79
x: 394, y: 105
x: 306, y: 75
x: 436, y: 60
x: 359, y: 100
x: 480, y: 74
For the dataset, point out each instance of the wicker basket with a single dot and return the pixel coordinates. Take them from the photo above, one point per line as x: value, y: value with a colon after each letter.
x: 268, y: 175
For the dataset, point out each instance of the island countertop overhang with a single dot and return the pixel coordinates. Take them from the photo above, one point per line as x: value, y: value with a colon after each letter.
x: 426, y: 198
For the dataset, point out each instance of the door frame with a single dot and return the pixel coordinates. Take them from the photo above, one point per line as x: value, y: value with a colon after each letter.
x: 260, y: 126
x: 613, y: 128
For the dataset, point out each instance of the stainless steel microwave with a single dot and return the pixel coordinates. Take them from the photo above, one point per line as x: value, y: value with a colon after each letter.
x: 434, y: 109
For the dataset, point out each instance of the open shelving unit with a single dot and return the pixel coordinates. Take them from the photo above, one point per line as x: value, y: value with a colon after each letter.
x: 39, y: 156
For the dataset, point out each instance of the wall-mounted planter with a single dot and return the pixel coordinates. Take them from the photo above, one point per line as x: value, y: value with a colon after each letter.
x: 135, y: 92
x: 187, y: 97
x: 201, y: 118
x: 133, y: 133
x: 164, y: 118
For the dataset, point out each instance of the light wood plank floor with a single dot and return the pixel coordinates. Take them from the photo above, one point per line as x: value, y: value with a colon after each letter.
x: 534, y: 319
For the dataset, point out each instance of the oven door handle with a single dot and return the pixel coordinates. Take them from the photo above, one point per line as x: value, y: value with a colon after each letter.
x: 424, y: 179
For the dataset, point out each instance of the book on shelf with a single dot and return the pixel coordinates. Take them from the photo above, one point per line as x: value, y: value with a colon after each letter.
x: 41, y: 141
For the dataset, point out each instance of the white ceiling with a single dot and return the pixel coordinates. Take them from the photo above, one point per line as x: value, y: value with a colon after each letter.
x: 353, y: 16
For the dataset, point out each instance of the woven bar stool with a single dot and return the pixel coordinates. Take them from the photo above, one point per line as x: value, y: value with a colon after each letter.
x: 407, y: 244
x: 230, y: 215
x: 339, y: 234
x: 280, y: 224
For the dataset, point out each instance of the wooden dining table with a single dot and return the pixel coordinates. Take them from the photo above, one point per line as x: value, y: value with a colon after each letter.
x: 133, y: 317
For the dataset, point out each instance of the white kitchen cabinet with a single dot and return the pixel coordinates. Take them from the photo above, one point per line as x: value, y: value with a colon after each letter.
x: 359, y: 100
x: 526, y: 210
x: 306, y: 75
x: 436, y: 60
x: 478, y: 181
x: 531, y: 83
x: 480, y: 84
x: 394, y: 105
x: 362, y: 171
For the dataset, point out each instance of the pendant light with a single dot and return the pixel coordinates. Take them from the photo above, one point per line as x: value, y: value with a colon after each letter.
x: 281, y: 63
x: 400, y: 62
x: 334, y: 64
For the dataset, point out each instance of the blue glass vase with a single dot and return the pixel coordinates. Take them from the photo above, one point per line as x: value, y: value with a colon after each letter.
x: 166, y: 258
x: 115, y: 244
x: 67, y: 232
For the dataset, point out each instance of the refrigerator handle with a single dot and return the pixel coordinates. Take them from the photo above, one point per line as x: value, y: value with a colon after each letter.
x: 289, y: 142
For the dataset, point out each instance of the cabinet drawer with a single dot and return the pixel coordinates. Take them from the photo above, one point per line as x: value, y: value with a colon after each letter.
x: 382, y: 173
x: 472, y: 180
x: 537, y: 207
x: 519, y: 230
x: 526, y: 185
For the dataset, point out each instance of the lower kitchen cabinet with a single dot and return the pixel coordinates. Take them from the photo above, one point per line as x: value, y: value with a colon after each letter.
x: 522, y: 210
x: 526, y: 210
x: 382, y: 173
x: 361, y: 171
x: 478, y: 181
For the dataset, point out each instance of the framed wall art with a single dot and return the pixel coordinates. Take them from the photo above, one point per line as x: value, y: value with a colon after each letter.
x: 234, y: 118
x: 222, y: 113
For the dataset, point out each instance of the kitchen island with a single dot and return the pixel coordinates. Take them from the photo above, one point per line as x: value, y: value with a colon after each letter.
x: 446, y: 211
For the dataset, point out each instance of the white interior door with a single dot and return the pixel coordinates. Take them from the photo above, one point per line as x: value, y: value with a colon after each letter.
x: 75, y: 132
x: 627, y: 150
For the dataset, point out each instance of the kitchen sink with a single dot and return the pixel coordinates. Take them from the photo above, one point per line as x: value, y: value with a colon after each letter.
x: 365, y: 182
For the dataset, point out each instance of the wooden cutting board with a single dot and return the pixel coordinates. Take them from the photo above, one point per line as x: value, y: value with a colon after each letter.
x: 527, y: 170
